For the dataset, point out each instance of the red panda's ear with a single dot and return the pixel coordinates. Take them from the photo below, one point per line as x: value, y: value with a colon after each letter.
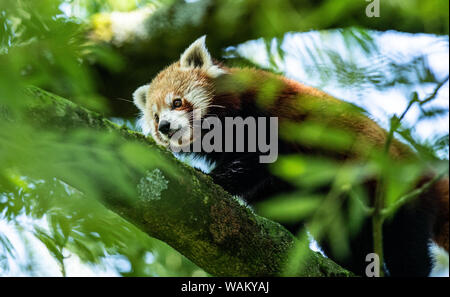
x: 197, y: 56
x: 140, y: 96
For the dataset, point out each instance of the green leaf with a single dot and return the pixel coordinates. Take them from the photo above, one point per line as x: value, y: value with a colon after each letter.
x: 289, y: 208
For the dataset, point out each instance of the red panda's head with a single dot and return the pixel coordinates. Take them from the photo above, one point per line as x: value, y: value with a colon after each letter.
x: 169, y: 101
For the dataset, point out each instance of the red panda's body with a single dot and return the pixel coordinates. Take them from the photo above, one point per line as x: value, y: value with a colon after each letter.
x: 196, y: 83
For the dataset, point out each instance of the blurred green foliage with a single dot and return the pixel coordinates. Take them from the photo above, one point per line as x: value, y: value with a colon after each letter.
x: 61, y: 46
x: 42, y: 47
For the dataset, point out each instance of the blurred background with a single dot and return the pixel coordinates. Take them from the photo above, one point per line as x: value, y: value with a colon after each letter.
x: 97, y: 52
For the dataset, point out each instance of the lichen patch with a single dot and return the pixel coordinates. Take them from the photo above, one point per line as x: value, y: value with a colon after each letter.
x: 152, y: 185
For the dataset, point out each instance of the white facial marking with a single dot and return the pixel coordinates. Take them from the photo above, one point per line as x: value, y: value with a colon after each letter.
x: 145, y: 124
x: 199, y: 98
x: 176, y: 118
x: 169, y: 98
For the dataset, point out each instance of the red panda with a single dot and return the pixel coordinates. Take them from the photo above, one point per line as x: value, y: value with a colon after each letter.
x: 197, y: 82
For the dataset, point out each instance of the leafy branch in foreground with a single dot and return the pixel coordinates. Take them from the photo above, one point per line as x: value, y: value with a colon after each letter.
x: 387, y: 212
x: 379, y: 212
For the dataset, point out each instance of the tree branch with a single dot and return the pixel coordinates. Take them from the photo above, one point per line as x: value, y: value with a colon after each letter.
x: 186, y: 209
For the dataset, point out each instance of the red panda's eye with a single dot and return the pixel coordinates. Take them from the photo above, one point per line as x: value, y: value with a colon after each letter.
x: 156, y: 117
x: 177, y: 103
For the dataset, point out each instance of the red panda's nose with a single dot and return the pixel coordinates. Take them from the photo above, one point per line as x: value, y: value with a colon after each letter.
x: 164, y: 127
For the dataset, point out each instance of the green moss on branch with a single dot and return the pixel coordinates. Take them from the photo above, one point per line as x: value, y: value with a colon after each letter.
x: 187, y: 210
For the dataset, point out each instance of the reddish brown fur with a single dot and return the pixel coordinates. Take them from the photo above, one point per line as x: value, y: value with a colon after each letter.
x: 179, y: 81
x: 441, y: 231
x: 297, y: 102
x: 293, y: 102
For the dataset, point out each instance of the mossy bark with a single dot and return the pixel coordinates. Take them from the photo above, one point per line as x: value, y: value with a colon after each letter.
x: 187, y: 210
